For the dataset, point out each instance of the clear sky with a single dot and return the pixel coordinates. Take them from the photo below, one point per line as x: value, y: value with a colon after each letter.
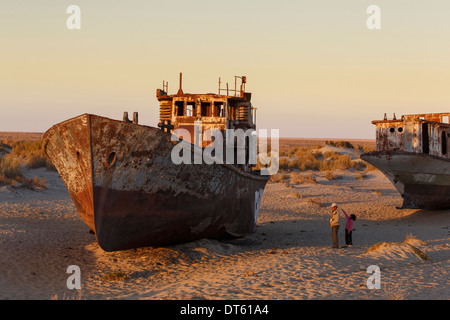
x: 314, y: 68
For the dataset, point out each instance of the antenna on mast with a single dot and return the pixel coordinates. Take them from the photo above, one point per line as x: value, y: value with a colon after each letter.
x: 180, y: 91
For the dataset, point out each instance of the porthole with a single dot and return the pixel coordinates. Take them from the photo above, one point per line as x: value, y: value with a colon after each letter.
x: 392, y: 130
x: 400, y: 129
x: 111, y: 160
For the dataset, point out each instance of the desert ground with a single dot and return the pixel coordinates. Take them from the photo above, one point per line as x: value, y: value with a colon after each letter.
x: 290, y: 257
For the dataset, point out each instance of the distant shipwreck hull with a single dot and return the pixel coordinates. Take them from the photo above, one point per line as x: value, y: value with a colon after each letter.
x: 413, y: 153
x: 422, y: 180
x: 129, y: 192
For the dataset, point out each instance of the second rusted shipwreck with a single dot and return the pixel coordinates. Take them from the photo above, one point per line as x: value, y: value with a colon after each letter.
x: 414, y: 154
x: 131, y: 194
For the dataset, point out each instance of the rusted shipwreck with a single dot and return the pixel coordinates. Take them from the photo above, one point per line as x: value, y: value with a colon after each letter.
x: 131, y: 194
x: 413, y: 152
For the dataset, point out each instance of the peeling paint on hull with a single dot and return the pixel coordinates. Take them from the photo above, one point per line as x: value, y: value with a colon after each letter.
x: 422, y: 180
x: 128, y: 191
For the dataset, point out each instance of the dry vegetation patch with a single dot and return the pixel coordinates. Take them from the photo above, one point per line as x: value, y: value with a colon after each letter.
x: 405, y: 246
x: 297, y: 159
x: 116, y: 276
x: 18, y: 154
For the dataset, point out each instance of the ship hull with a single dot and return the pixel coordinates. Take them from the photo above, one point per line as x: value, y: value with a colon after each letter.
x: 127, y: 189
x: 422, y: 180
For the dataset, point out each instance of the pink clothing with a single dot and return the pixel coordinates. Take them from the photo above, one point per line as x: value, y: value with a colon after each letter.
x: 349, y: 225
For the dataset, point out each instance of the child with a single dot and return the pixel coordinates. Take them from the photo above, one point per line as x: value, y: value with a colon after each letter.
x: 349, y: 228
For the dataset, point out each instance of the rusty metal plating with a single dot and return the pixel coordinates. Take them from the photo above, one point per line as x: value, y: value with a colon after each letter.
x: 413, y: 152
x: 129, y: 192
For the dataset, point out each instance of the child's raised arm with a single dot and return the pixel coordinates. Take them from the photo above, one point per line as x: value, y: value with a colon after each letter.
x: 346, y: 215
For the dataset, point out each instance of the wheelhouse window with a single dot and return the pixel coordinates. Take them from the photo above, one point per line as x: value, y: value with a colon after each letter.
x: 190, y: 109
x: 219, y: 109
x: 425, y: 139
x: 179, y: 108
x: 206, y: 109
x: 444, y: 143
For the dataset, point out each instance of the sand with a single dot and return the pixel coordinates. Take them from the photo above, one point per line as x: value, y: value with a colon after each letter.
x: 290, y: 257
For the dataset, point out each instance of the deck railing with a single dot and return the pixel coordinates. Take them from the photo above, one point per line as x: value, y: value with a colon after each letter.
x: 236, y: 92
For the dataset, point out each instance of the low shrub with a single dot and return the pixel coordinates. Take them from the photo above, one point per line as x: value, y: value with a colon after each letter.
x: 25, y: 148
x: 10, y: 167
x: 115, y: 276
x: 340, y: 144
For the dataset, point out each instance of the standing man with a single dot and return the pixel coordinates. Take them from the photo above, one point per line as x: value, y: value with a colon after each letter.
x: 334, y: 224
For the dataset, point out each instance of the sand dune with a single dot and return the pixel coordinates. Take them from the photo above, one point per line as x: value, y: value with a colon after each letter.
x: 289, y: 257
